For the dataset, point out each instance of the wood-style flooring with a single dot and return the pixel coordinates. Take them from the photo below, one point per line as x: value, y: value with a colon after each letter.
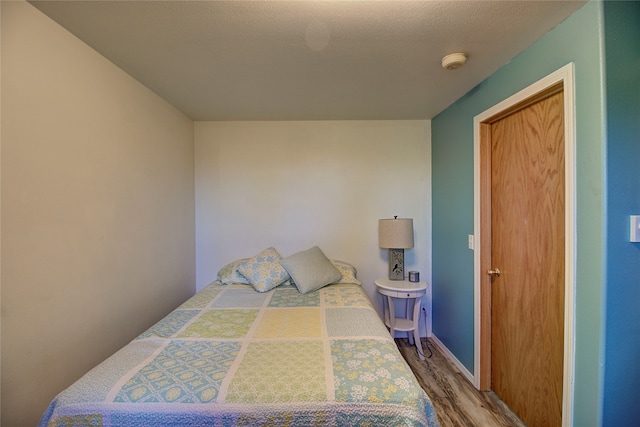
x: 456, y: 400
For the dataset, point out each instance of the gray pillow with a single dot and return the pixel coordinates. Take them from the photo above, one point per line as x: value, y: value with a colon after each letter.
x: 310, y: 269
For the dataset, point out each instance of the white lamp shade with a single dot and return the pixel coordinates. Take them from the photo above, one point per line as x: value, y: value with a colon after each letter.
x: 396, y: 233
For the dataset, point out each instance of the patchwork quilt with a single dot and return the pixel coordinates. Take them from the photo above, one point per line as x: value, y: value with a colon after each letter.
x: 232, y: 356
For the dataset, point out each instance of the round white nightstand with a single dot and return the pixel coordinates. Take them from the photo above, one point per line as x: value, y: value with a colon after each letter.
x: 407, y: 290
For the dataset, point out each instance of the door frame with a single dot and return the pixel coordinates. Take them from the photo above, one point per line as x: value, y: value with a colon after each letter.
x: 482, y: 315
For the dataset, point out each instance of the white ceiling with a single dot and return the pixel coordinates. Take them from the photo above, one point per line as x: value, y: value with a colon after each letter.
x: 308, y: 60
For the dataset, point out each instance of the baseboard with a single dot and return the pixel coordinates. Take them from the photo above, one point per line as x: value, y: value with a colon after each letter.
x: 453, y: 359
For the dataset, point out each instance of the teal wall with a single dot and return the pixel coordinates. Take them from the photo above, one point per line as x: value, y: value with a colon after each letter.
x: 622, y: 356
x: 579, y: 39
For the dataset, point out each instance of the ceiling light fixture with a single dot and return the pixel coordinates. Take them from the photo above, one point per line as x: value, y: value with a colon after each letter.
x: 454, y: 61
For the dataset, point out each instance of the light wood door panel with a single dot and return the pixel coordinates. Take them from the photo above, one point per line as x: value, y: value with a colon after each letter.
x: 527, y: 245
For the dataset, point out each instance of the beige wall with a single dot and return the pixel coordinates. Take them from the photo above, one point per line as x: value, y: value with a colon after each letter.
x: 97, y: 210
x: 0, y: 220
x: 293, y: 185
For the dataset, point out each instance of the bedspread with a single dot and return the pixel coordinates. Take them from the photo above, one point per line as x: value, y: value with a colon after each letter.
x: 233, y: 356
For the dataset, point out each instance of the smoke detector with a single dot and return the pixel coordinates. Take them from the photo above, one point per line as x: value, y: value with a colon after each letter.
x: 454, y: 61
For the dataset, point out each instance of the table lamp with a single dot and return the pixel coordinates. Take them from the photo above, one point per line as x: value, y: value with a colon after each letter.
x: 396, y: 235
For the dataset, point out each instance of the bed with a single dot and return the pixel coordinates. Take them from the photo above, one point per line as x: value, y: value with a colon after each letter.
x: 237, y: 354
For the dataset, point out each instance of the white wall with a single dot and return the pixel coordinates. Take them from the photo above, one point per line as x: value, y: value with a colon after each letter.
x: 97, y: 210
x: 293, y: 185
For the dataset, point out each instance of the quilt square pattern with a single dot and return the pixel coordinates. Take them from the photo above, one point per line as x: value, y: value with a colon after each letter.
x: 302, y: 379
x: 345, y: 296
x: 232, y: 323
x: 202, y: 298
x: 291, y: 297
x: 289, y: 323
x: 240, y: 297
x: 184, y: 371
x: 370, y: 371
x: 310, y: 418
x: 171, y: 324
x: 343, y: 322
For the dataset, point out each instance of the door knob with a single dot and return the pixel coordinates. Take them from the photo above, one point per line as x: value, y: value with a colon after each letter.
x: 494, y: 272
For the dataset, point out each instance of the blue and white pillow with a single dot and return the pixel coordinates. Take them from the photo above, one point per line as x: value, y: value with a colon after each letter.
x: 264, y: 270
x: 230, y: 274
x: 348, y: 272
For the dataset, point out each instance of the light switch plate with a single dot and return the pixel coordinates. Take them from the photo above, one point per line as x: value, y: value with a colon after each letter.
x: 634, y: 235
x: 471, y: 242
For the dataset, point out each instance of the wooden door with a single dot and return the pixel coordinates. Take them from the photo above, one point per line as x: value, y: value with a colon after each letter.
x: 528, y: 247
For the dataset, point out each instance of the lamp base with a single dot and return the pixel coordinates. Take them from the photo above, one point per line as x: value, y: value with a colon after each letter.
x: 396, y: 264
